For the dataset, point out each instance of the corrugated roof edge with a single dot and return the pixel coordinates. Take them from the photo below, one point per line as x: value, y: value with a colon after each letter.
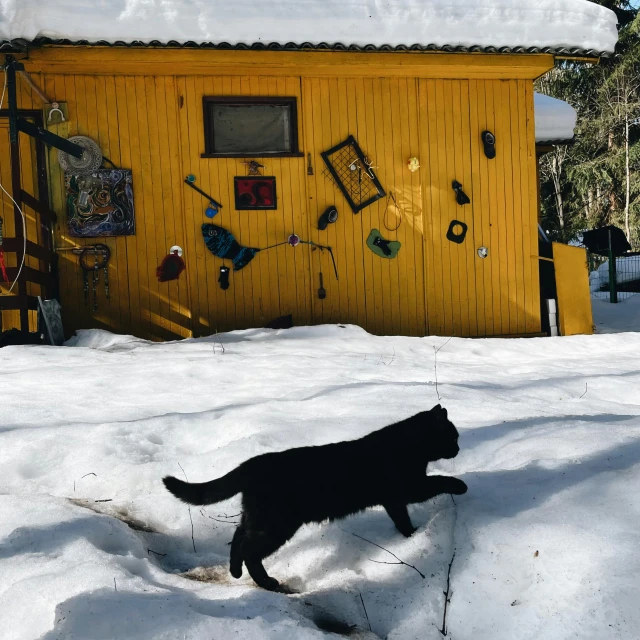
x: 17, y: 45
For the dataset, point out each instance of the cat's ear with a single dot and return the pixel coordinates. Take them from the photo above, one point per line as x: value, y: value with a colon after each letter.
x: 440, y: 411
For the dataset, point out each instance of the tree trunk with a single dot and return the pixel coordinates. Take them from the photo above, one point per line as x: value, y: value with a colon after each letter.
x: 627, y: 178
x: 555, y: 174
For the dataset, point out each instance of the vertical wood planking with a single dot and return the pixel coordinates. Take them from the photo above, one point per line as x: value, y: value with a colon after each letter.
x: 530, y: 218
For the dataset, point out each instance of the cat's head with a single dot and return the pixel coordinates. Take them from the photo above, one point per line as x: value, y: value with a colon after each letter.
x: 441, y: 433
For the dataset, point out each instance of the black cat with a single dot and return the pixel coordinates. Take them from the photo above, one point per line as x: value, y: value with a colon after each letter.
x: 282, y: 491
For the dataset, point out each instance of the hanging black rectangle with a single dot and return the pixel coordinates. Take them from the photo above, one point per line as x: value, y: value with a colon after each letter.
x: 351, y: 172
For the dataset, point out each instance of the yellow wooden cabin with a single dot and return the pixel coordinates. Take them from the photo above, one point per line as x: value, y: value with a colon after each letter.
x: 148, y: 105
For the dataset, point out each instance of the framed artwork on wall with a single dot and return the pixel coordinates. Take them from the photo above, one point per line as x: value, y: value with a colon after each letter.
x: 255, y: 192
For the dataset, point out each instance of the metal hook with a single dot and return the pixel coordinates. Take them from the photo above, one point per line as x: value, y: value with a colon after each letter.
x: 55, y: 107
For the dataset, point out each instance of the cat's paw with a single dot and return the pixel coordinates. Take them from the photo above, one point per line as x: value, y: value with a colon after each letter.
x: 457, y: 486
x: 407, y: 533
x: 271, y: 584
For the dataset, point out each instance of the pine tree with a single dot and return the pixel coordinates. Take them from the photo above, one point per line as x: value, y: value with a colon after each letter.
x: 596, y: 180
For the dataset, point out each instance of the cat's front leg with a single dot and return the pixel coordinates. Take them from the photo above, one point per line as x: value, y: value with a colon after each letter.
x: 398, y: 513
x: 431, y: 486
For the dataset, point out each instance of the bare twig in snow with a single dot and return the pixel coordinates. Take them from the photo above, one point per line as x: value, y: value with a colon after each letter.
x: 224, y: 521
x: 107, y: 500
x: 447, y: 597
x: 183, y: 471
x: 162, y: 555
x: 115, y: 586
x: 585, y: 391
x: 193, y: 540
x: 365, y: 611
x: 88, y: 474
x: 375, y: 544
x: 220, y: 341
x: 435, y: 365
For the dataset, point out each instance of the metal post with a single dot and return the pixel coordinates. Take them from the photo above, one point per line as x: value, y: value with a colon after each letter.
x: 613, y: 292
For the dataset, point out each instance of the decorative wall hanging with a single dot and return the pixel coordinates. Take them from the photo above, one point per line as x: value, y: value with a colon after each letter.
x: 253, y: 167
x: 172, y: 265
x: 94, y: 257
x: 483, y: 252
x: 489, y: 142
x: 328, y: 217
x: 386, y: 210
x: 457, y: 231
x: 223, y: 278
x: 214, y: 205
x: 222, y: 244
x: 255, y: 192
x: 461, y: 196
x: 352, y: 172
x: 381, y: 247
x: 309, y: 165
x: 87, y: 164
x: 100, y: 204
x: 413, y: 164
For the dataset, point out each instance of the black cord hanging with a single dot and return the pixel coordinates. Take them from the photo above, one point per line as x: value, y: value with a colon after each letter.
x: 384, y: 215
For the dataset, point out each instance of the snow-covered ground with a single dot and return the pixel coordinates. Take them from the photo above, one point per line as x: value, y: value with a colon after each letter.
x: 546, y: 541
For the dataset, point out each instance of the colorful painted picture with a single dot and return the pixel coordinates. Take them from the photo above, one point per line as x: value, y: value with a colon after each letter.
x: 255, y: 192
x: 100, y: 204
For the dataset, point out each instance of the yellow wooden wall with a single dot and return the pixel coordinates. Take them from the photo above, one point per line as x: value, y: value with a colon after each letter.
x: 153, y: 124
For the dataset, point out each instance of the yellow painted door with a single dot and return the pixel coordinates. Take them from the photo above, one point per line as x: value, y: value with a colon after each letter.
x: 385, y: 296
x: 470, y: 295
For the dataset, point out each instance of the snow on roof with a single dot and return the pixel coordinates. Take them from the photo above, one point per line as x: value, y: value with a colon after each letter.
x: 555, y: 119
x: 571, y: 24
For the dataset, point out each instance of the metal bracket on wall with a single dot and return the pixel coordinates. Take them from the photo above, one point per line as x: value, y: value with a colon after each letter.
x: 17, y: 124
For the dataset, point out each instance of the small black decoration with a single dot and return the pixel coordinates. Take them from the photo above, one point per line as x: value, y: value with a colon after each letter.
x: 224, y: 278
x: 328, y: 217
x: 255, y: 192
x: 461, y: 196
x: 489, y: 142
x: 381, y: 247
x: 322, y: 292
x: 253, y: 167
x: 457, y: 237
x: 352, y: 173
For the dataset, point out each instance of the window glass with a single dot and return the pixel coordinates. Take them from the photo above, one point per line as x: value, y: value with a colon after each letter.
x: 251, y: 128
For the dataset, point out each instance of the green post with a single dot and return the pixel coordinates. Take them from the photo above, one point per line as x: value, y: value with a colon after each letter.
x: 613, y: 292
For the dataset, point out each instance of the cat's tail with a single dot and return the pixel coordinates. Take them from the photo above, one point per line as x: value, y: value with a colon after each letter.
x: 205, y: 492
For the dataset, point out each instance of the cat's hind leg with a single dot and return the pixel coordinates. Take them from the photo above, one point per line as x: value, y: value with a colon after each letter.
x: 256, y: 546
x: 398, y: 513
x: 235, y: 561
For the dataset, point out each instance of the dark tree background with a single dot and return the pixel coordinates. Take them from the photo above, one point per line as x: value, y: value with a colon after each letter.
x: 596, y: 181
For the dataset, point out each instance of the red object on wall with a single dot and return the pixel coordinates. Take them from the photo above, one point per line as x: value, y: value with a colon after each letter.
x: 255, y: 192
